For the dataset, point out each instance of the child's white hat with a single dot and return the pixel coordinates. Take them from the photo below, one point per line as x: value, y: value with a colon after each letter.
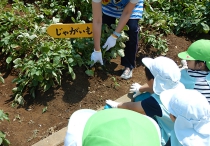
x: 165, y: 71
x: 76, y: 127
x: 192, y: 112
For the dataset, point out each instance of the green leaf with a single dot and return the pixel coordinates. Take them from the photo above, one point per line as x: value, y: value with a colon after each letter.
x: 2, y: 134
x: 31, y: 62
x: 58, y: 79
x: 73, y: 75
x: 126, y: 28
x: 72, y: 18
x: 14, y: 46
x: 121, y: 53
x: 17, y: 61
x: 1, y: 79
x: 78, y: 14
x: 45, y: 49
x: 205, y: 28
x: 54, y: 74
x: 33, y: 71
x: 32, y: 37
x: 70, y: 69
x: 38, y: 72
x: 8, y: 60
x: 113, y: 54
x: 89, y: 72
x: 56, y: 20
x: 14, y: 90
x: 121, y: 44
x: 151, y: 21
x: 107, y: 29
x: 56, y: 60
x: 32, y: 92
x: 70, y: 60
x: 6, y: 142
x: 44, y: 109
x: 19, y: 99
x: 35, y: 81
x: 47, y: 86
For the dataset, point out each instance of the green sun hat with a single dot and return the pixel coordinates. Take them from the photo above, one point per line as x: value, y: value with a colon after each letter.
x: 111, y: 127
x: 199, y: 50
x: 120, y: 127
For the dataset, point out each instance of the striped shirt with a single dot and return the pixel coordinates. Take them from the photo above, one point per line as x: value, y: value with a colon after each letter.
x: 114, y: 8
x: 201, y: 84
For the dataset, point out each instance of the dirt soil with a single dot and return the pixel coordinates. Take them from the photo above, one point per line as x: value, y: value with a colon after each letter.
x: 29, y: 125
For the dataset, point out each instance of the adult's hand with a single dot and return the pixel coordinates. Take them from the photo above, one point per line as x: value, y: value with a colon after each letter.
x: 110, y: 42
x: 96, y: 56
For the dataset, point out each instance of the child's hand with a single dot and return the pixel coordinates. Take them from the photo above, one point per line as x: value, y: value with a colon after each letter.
x: 135, y: 89
x: 183, y: 64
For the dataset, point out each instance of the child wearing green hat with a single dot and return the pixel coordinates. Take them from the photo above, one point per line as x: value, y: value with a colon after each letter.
x: 195, y: 73
x: 112, y: 127
x: 197, y: 76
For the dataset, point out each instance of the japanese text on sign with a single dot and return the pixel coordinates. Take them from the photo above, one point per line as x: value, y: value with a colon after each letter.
x: 70, y: 30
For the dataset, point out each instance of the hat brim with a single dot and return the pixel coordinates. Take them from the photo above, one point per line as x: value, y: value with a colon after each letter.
x: 185, y: 56
x: 76, y: 126
x: 162, y: 84
x: 166, y: 96
x: 187, y: 135
x: 189, y: 130
x: 149, y: 63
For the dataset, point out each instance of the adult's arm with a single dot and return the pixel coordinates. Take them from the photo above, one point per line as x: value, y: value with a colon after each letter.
x: 97, y: 23
x: 125, y: 15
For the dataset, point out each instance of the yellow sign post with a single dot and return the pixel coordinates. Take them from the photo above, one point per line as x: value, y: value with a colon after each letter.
x: 77, y: 30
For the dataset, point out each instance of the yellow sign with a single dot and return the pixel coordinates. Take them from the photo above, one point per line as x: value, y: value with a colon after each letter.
x: 76, y: 30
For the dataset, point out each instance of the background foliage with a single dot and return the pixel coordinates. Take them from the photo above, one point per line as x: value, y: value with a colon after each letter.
x: 41, y: 60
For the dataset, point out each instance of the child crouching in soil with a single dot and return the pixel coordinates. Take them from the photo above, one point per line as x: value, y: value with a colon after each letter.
x: 190, y: 111
x: 162, y: 74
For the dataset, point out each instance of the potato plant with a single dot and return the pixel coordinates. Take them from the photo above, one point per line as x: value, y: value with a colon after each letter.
x: 3, y: 140
x: 179, y: 17
x: 42, y: 60
x: 162, y: 17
